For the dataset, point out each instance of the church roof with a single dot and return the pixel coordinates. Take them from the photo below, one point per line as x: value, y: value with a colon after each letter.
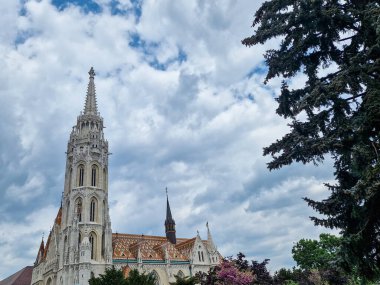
x: 132, y: 246
x: 22, y: 277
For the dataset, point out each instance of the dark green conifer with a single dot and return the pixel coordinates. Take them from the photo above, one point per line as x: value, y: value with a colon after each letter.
x: 336, y: 44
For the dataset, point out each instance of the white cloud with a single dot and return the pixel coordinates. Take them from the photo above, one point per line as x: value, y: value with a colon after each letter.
x: 32, y: 187
x: 198, y: 126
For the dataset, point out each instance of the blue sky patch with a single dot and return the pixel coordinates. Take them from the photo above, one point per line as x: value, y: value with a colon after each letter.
x: 88, y: 6
x: 116, y: 8
x: 148, y: 49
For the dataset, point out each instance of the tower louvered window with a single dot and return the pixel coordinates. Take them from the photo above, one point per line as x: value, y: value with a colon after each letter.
x: 93, y: 245
x: 92, y: 210
x: 79, y: 209
x: 93, y: 176
x: 81, y: 175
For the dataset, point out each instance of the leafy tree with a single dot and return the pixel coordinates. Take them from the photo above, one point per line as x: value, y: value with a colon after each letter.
x: 137, y: 278
x: 110, y: 277
x: 292, y: 276
x: 113, y: 276
x: 262, y: 275
x: 184, y: 280
x: 313, y: 254
x: 336, y: 44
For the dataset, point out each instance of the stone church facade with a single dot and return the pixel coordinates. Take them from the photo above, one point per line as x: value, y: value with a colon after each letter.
x: 81, y: 243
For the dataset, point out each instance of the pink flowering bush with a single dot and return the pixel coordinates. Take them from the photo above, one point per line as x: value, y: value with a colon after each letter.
x: 230, y: 275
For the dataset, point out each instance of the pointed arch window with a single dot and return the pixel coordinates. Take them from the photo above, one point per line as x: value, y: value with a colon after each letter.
x: 81, y: 176
x: 79, y: 209
x: 79, y: 239
x: 93, y: 206
x: 70, y: 178
x: 104, y: 179
x: 103, y: 242
x: 94, y: 175
x: 93, y: 245
x: 156, y: 277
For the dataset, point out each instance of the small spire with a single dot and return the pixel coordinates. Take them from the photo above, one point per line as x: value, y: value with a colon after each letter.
x: 90, y: 106
x: 209, y: 239
x: 169, y: 222
x: 168, y: 211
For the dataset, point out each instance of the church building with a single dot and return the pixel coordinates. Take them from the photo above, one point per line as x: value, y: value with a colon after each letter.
x: 81, y: 243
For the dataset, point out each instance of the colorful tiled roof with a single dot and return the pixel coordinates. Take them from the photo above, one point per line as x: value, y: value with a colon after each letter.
x: 130, y: 246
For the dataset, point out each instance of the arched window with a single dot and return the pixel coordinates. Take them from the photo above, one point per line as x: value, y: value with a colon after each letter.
x: 180, y: 274
x: 79, y: 239
x: 78, y: 206
x: 70, y: 178
x: 103, y: 242
x: 93, y: 211
x: 202, y: 256
x: 48, y: 281
x: 104, y: 179
x: 93, y: 245
x: 81, y: 175
x: 67, y: 212
x: 94, y: 175
x: 65, y: 254
x: 156, y: 277
x: 199, y: 255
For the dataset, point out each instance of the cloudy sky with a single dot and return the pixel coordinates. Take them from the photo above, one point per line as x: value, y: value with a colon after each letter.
x: 184, y: 106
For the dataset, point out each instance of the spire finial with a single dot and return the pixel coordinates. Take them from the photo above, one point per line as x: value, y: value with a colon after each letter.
x: 90, y: 106
x: 92, y: 72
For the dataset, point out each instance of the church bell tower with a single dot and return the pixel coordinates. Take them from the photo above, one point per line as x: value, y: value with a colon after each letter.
x: 86, y: 237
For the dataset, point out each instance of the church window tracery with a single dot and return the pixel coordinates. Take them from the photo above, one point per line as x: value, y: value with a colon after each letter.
x: 93, y: 209
x: 81, y: 175
x: 79, y: 239
x: 79, y: 209
x: 93, y: 245
x: 156, y: 277
x: 94, y: 174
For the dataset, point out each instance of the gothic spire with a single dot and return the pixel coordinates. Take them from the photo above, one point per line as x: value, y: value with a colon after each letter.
x: 169, y: 222
x: 90, y: 107
x: 210, y: 241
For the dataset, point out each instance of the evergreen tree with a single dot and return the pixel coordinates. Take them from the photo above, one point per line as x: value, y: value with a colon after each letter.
x: 336, y: 44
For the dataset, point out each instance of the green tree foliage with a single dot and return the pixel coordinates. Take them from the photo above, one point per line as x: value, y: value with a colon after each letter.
x: 336, y: 44
x: 137, y: 278
x: 313, y: 254
x: 184, y: 280
x: 116, y: 277
x: 110, y: 277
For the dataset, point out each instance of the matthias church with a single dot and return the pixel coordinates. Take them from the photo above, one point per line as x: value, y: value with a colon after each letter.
x: 81, y: 243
